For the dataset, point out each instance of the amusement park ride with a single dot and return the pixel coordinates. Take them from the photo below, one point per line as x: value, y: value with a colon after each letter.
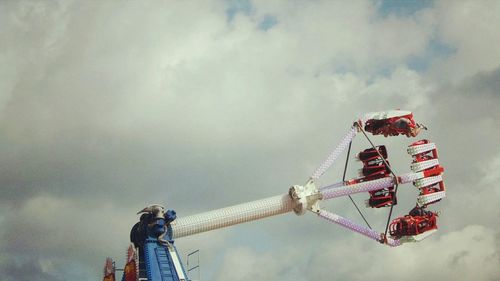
x: 152, y: 255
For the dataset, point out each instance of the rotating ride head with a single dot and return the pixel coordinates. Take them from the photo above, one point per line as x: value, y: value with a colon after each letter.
x: 379, y: 180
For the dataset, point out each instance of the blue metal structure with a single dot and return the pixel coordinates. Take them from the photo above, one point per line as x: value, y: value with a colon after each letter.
x: 158, y: 259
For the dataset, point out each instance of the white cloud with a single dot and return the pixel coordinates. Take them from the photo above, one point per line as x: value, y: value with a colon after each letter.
x: 469, y: 253
x: 243, y: 263
x: 106, y: 106
x: 47, y: 230
x: 470, y: 28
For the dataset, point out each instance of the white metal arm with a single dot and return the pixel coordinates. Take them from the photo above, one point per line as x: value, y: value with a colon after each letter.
x: 370, y: 233
x: 335, y: 153
x: 267, y: 207
x: 228, y: 216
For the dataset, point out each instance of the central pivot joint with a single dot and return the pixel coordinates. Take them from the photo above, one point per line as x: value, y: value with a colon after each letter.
x: 305, y: 197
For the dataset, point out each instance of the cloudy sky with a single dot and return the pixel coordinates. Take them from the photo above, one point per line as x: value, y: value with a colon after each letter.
x: 106, y: 107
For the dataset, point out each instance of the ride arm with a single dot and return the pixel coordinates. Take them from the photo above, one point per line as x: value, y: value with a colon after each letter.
x: 259, y: 209
x: 336, y: 152
x: 264, y: 208
x: 370, y: 233
x: 228, y: 216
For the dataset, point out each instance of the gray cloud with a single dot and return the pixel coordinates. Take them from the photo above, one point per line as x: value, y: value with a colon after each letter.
x: 24, y: 271
x: 107, y: 107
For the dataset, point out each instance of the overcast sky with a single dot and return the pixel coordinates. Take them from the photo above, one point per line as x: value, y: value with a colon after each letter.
x: 108, y: 106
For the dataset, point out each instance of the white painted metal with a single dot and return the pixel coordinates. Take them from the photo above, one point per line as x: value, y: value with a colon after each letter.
x: 381, y: 115
x: 417, y: 238
x: 279, y: 205
x: 370, y: 233
x: 429, y: 198
x: 417, y: 149
x: 357, y: 188
x: 305, y: 197
x: 427, y: 181
x: 177, y: 264
x: 335, y: 185
x: 262, y: 208
x: 335, y: 153
x: 420, y: 166
x: 232, y: 215
x: 410, y: 177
